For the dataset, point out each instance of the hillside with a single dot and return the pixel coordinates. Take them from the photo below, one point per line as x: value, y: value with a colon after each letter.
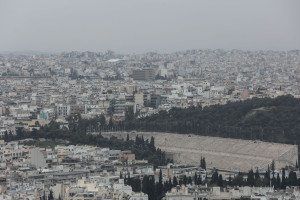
x: 266, y: 119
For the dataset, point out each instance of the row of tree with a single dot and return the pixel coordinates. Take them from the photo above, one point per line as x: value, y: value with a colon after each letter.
x: 274, y: 120
x: 157, y: 190
x: 77, y: 134
x: 255, y: 179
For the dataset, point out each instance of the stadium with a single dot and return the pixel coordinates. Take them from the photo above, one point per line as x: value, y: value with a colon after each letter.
x: 221, y: 153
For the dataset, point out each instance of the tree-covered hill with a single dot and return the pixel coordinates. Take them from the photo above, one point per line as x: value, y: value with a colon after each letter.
x: 273, y: 120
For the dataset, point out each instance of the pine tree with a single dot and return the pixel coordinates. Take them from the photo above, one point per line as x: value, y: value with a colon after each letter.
x: 128, y: 179
x: 296, y: 164
x: 152, y: 146
x: 180, y: 182
x: 220, y: 181
x: 143, y: 140
x: 50, y: 196
x: 145, y: 185
x: 257, y: 180
x: 6, y: 136
x: 159, y: 187
x: 230, y: 180
x: 199, y: 180
x: 283, y: 181
x: 175, y: 183
x: 137, y: 140
x: 195, y: 179
x: 184, y: 181
x: 121, y: 175
x: 152, y: 190
x: 125, y: 180
x: 273, y: 166
x: 170, y: 184
x: 135, y: 183
x: 278, y: 183
x: 110, y: 123
x: 273, y: 182
x: 201, y: 162
x: 268, y: 176
x: 292, y: 179
x: 190, y: 182
x: 250, y: 178
x: 215, y: 177
x: 204, y: 163
x: 127, y: 138
x: 44, y: 196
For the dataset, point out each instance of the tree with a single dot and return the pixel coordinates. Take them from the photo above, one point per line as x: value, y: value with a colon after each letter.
x: 220, y: 181
x: 170, y: 184
x: 250, y: 178
x: 273, y: 166
x: 215, y: 177
x: 195, y: 179
x: 199, y: 180
x: 274, y: 182
x: 204, y: 163
x: 50, y: 196
x: 37, y: 123
x: 159, y: 187
x: 257, y: 180
x: 102, y: 120
x: 6, y: 136
x: 152, y: 189
x: 145, y: 185
x: 190, y: 182
x: 175, y: 183
x: 278, y: 183
x: 152, y: 143
x: 44, y: 196
x: 230, y: 180
x: 125, y: 180
x: 292, y: 179
x: 135, y: 183
x: 127, y: 137
x: 184, y: 180
x: 110, y: 123
x: 283, y: 181
x: 238, y: 180
x: 129, y: 115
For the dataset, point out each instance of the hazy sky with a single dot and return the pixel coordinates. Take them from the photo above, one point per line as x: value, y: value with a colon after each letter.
x: 138, y: 26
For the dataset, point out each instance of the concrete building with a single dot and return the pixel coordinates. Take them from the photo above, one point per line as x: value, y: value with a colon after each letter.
x: 143, y: 75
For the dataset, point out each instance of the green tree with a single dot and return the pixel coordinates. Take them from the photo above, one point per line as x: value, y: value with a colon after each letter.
x: 250, y: 178
x: 283, y: 181
x: 220, y: 181
x: 190, y: 181
x: 292, y: 179
x: 50, y: 196
x: 215, y: 177
x: 273, y: 166
x: 278, y: 182
x: 175, y: 182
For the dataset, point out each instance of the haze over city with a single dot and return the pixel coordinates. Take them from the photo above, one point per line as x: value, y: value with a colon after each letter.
x: 149, y: 100
x: 136, y: 26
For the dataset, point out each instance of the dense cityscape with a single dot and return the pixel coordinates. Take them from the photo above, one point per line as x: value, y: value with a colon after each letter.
x: 149, y: 100
x: 60, y: 111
